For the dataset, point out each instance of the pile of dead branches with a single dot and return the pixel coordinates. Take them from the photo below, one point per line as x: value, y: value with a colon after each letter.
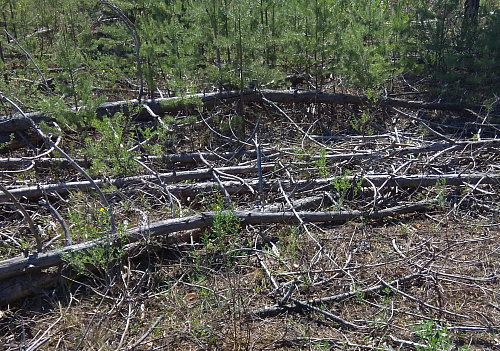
x: 307, y: 160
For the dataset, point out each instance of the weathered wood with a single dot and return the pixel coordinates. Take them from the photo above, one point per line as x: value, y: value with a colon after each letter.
x: 15, y: 122
x: 233, y: 187
x: 36, y: 262
x: 305, y: 96
x: 184, y: 158
x: 171, y: 177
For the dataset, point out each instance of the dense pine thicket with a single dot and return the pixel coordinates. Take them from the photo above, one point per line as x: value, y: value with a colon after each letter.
x: 86, y: 51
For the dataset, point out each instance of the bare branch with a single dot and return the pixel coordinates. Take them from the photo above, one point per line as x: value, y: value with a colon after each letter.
x: 33, y: 228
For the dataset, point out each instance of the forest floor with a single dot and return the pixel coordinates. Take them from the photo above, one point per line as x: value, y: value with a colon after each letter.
x: 413, y: 264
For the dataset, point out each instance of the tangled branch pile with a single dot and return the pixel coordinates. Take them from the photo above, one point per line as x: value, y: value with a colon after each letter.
x: 301, y: 222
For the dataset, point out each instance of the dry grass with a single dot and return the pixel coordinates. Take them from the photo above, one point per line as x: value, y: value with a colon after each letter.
x: 201, y: 301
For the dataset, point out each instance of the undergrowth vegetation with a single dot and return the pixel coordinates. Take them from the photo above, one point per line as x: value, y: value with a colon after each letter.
x: 243, y: 222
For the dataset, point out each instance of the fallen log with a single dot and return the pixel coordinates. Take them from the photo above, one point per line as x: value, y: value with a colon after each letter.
x: 15, y: 122
x: 233, y: 187
x: 305, y: 96
x: 38, y: 261
x: 171, y: 177
x: 184, y: 158
x: 367, y: 181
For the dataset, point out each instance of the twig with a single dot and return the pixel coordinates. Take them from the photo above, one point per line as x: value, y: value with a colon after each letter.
x: 32, y: 164
x: 272, y: 310
x: 89, y: 324
x: 127, y: 323
x: 259, y: 168
x: 316, y: 256
x: 27, y: 217
x: 222, y: 135
x: 412, y: 344
x: 59, y: 218
x: 163, y: 185
x: 146, y: 334
x: 303, y: 304
x: 48, y: 151
x: 328, y: 315
x: 32, y: 61
x: 216, y: 178
x: 11, y: 238
x: 423, y: 123
x: 306, y: 134
x: 42, y: 339
x: 158, y: 118
x: 224, y: 174
x: 420, y: 302
x: 375, y: 193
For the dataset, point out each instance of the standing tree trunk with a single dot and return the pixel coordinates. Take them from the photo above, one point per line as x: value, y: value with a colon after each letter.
x: 471, y: 10
x: 469, y: 26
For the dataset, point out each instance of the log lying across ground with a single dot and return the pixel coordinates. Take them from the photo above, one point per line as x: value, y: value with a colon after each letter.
x: 171, y: 177
x: 183, y: 158
x: 15, y: 122
x: 11, y: 270
x: 232, y: 187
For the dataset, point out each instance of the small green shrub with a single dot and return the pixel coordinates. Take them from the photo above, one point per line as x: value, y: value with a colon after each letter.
x: 226, y: 224
x: 5, y: 144
x: 92, y: 226
x: 110, y: 153
x: 343, y: 185
x: 436, y: 336
x: 321, y: 164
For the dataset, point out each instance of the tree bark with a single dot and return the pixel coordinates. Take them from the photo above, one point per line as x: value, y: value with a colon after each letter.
x: 471, y: 10
x: 15, y: 122
x: 232, y: 187
x: 38, y: 261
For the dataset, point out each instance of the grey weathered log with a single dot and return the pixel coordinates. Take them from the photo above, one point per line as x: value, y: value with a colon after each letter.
x: 232, y: 187
x: 16, y: 162
x: 14, y: 122
x: 171, y: 177
x: 36, y: 262
x: 184, y: 158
